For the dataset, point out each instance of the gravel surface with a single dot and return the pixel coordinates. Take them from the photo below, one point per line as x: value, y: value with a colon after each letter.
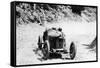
x: 27, y: 37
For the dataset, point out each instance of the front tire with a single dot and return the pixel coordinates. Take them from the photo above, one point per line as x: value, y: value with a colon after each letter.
x: 39, y: 43
x: 46, y: 49
x: 72, y: 51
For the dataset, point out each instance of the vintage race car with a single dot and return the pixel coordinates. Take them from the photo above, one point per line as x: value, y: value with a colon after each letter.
x: 53, y: 41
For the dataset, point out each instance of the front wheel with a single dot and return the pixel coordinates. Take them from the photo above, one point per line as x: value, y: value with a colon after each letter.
x: 72, y: 51
x: 45, y: 50
x: 39, y: 43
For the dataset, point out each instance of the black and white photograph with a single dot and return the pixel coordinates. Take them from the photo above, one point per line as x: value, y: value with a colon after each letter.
x: 51, y: 33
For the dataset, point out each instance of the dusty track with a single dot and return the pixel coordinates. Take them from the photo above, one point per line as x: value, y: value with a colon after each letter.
x: 27, y: 36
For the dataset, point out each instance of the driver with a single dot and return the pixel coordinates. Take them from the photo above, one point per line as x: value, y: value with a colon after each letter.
x: 54, y: 32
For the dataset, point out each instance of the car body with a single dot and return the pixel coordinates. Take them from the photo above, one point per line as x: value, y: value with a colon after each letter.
x: 53, y: 41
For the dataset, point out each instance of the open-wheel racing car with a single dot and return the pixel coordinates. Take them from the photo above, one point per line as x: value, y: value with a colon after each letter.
x: 53, y: 41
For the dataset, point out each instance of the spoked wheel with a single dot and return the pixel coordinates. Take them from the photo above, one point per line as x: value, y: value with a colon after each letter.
x: 45, y: 50
x: 72, y: 51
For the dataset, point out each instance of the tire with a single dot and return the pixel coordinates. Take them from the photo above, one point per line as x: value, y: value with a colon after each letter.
x: 45, y: 50
x: 39, y: 43
x: 72, y: 51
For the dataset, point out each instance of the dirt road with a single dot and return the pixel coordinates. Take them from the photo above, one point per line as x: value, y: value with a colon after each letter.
x: 27, y: 36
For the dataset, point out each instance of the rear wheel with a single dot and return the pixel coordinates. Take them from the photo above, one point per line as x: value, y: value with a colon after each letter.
x: 45, y: 50
x: 72, y: 51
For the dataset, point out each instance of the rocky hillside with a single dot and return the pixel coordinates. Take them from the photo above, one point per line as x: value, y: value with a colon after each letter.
x: 51, y: 13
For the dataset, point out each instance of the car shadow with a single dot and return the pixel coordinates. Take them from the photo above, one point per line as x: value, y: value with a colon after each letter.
x: 56, y: 56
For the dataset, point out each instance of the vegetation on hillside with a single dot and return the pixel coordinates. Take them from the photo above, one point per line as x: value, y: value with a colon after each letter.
x: 49, y: 13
